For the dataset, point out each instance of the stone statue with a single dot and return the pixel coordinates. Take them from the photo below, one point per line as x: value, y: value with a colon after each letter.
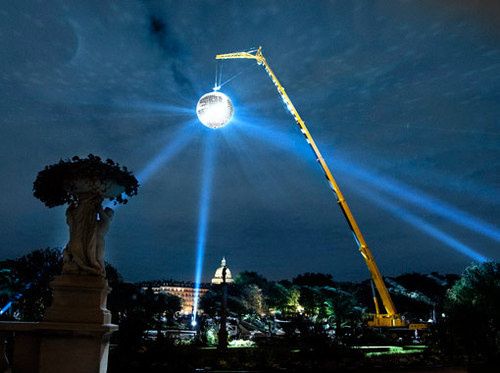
x: 75, y: 332
x: 88, y: 223
x: 83, y: 184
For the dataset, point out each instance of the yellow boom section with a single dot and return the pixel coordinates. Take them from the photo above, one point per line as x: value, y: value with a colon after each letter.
x: 391, y: 317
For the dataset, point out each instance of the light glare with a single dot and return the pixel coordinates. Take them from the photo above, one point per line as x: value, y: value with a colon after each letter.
x: 214, y: 110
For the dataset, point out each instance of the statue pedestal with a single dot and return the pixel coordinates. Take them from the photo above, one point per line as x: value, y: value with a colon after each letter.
x: 49, y: 347
x: 77, y: 326
x: 74, y: 347
x: 79, y: 299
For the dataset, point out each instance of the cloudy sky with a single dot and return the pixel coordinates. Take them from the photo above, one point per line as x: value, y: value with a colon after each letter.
x: 402, y: 98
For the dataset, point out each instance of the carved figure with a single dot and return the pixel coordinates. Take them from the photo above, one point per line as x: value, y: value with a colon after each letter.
x: 83, y: 183
x: 88, y: 223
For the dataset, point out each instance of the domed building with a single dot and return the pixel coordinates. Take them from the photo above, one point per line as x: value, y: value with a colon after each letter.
x: 217, y: 280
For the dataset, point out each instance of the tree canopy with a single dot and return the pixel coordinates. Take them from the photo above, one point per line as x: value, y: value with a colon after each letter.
x: 26, y: 280
x: 473, y: 313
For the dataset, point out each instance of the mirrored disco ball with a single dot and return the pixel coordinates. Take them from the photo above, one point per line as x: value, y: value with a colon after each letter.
x: 214, y: 109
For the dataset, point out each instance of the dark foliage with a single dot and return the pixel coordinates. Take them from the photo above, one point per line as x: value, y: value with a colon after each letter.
x: 211, y: 302
x: 27, y: 282
x: 416, y: 295
x: 315, y: 354
x: 53, y: 184
x: 236, y: 305
x: 471, y: 330
x: 251, y: 278
x: 313, y: 279
x: 112, y: 275
x: 136, y: 310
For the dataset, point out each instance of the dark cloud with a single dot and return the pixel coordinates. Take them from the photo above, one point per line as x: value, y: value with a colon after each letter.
x: 173, y: 50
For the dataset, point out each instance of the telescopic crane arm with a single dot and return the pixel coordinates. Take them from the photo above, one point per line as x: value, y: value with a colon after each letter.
x: 391, y: 317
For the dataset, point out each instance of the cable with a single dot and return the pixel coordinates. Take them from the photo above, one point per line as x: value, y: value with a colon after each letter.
x: 218, y: 75
x: 233, y: 77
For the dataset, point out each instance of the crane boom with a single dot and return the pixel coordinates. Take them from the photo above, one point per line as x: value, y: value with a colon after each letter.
x: 391, y: 317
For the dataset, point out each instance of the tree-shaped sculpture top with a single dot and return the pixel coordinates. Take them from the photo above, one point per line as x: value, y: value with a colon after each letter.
x: 84, y: 183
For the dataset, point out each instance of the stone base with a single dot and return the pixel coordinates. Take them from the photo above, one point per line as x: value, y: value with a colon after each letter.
x: 74, y: 348
x: 49, y: 347
x: 74, y: 336
x: 79, y: 299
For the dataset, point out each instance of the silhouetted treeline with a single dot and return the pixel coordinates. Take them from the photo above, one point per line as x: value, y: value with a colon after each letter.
x: 463, y: 310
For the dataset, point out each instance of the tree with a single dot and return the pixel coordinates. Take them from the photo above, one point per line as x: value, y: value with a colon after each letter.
x: 171, y: 305
x: 251, y: 278
x: 310, y: 299
x: 340, y: 309
x: 211, y: 304
x: 136, y: 310
x: 113, y: 276
x: 313, y: 279
x: 260, y: 295
x: 283, y: 299
x: 251, y: 288
x: 472, y: 306
x: 159, y: 308
x: 28, y: 281
x: 326, y: 305
x: 253, y: 299
x: 127, y: 310
x: 8, y: 283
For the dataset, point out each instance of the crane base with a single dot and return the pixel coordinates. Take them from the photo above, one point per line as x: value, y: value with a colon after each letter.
x: 387, y: 321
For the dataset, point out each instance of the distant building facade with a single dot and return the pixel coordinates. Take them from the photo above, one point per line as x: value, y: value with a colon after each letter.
x: 186, y: 290
x: 183, y: 290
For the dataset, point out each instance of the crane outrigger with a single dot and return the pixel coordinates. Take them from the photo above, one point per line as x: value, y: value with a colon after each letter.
x: 391, y: 318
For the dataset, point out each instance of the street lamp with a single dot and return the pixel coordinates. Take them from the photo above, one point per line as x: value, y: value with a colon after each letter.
x: 223, y: 318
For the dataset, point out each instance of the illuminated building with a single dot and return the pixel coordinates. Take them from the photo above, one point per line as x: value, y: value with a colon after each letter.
x: 183, y: 290
x: 217, y: 280
x: 186, y: 290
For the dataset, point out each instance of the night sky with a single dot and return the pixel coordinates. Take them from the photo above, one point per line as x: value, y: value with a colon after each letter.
x: 402, y: 98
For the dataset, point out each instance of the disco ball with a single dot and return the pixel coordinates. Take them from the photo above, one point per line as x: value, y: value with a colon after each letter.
x: 214, y: 110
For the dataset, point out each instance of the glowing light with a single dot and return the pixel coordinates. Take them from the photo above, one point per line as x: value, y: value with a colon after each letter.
x: 149, y: 108
x: 15, y: 298
x: 5, y: 308
x: 395, y: 189
x: 420, y: 199
x: 214, y: 110
x: 181, y: 139
x: 205, y: 195
x: 424, y: 226
x: 193, y: 322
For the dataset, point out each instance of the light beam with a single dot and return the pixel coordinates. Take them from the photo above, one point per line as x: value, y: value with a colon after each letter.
x: 423, y: 226
x: 203, y: 213
x: 398, y: 190
x: 420, y: 199
x: 181, y: 139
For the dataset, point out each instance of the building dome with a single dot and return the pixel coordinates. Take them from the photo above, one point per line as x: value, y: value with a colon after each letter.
x: 217, y: 280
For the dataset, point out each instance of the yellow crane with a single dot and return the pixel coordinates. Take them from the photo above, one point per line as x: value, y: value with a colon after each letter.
x: 390, y: 318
